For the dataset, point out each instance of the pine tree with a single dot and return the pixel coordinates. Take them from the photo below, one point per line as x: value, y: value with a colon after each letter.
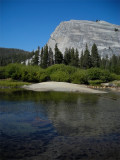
x: 45, y: 57
x: 81, y: 59
x: 58, y: 55
x: 67, y: 56
x: 41, y: 57
x: 72, y: 53
x: 95, y: 58
x: 76, y: 58
x: 50, y: 57
x: 114, y: 63
x: 35, y: 59
x: 87, y: 59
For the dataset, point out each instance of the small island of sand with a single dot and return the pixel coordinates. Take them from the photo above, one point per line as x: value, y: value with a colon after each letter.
x: 61, y: 87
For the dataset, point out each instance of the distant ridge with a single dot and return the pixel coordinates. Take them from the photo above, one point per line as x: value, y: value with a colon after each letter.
x: 12, y: 55
x: 17, y: 50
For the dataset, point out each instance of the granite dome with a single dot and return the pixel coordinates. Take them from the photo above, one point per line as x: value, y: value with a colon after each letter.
x: 76, y: 33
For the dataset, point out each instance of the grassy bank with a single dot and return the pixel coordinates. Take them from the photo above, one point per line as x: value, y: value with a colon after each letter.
x: 9, y: 83
x: 58, y: 72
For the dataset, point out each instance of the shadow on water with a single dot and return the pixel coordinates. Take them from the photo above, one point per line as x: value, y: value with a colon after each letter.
x: 56, y: 125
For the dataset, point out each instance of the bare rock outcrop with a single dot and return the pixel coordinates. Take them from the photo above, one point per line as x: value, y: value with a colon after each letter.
x: 76, y: 33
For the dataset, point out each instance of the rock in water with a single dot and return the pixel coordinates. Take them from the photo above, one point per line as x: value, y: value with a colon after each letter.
x: 76, y: 33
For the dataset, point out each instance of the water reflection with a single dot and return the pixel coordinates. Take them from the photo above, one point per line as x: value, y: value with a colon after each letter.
x: 55, y: 125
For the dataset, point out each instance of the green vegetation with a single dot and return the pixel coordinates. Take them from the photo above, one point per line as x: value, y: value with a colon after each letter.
x: 45, y: 58
x: 95, y: 58
x: 10, y: 55
x: 90, y: 68
x: 71, y: 57
x: 99, y: 74
x: 80, y: 77
x: 57, y: 72
x: 58, y: 55
x: 95, y: 82
x: 9, y: 83
x: 60, y: 76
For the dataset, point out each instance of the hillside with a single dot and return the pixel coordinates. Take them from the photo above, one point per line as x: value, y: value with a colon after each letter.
x: 11, y: 55
x: 76, y: 33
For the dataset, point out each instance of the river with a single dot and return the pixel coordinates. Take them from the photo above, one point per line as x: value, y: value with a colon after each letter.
x: 59, y: 126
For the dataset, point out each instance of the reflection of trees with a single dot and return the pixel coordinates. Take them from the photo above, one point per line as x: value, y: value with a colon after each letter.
x: 82, y: 119
x: 70, y: 113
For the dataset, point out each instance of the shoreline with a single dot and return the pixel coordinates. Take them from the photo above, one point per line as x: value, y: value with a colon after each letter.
x: 60, y: 87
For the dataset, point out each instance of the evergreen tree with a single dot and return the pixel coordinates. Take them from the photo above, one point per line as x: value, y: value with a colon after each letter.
x: 41, y: 57
x: 39, y: 48
x: 81, y: 59
x: 35, y: 59
x: 50, y: 57
x: 115, y: 65
x: 87, y: 58
x: 76, y: 58
x: 103, y: 63
x: 58, y: 55
x: 73, y: 60
x: 95, y: 58
x: 67, y: 56
x: 45, y: 57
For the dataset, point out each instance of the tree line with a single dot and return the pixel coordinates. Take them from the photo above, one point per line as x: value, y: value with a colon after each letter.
x: 71, y: 57
x: 11, y: 55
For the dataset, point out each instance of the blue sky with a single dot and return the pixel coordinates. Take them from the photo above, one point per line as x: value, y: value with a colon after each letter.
x: 27, y: 24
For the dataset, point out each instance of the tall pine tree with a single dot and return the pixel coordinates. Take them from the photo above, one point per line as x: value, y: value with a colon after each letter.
x: 95, y: 58
x: 50, y: 57
x: 87, y: 58
x: 76, y: 58
x: 41, y: 57
x: 35, y: 59
x: 67, y: 56
x: 81, y: 59
x: 58, y: 55
x: 45, y: 57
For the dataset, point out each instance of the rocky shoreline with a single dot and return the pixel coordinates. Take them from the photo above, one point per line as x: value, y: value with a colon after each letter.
x: 110, y: 86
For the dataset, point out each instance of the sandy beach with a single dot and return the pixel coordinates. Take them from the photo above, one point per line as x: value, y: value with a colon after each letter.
x: 60, y: 87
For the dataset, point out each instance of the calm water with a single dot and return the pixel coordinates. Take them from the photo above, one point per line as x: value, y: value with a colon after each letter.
x: 59, y: 126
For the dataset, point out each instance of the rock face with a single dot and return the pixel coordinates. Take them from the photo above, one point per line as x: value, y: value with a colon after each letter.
x: 76, y: 33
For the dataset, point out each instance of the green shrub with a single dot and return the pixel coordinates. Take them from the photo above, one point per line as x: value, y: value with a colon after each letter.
x: 80, y: 77
x: 99, y: 74
x: 95, y: 82
x: 70, y: 69
x: 60, y: 67
x: 60, y: 76
x: 31, y: 73
x: 16, y: 76
x: 94, y: 73
x: 115, y: 76
x: 57, y: 72
x: 12, y: 69
x: 44, y: 77
x: 105, y: 76
x: 2, y: 73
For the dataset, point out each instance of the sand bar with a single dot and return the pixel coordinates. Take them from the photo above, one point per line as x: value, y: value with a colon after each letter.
x: 60, y: 87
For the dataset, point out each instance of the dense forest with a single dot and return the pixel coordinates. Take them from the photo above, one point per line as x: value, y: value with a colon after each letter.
x: 10, y: 55
x: 88, y: 59
x: 45, y: 65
